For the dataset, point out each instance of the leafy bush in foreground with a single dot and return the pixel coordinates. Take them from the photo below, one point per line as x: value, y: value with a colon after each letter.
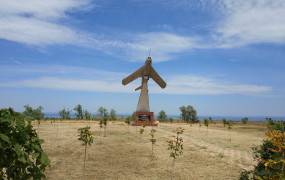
x: 270, y: 155
x: 22, y: 156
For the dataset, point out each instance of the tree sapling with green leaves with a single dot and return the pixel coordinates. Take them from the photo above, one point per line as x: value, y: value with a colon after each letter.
x: 104, y: 116
x: 101, y: 126
x: 206, y: 123
x: 175, y: 146
x: 87, y: 138
x: 142, y: 130
x: 152, y: 140
x: 230, y: 126
x: 224, y: 122
x: 128, y: 122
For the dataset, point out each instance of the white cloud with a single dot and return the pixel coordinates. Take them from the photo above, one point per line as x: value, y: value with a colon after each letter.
x: 78, y: 79
x: 192, y: 84
x: 163, y: 45
x: 39, y: 23
x: 59, y: 71
x: 187, y: 85
x: 69, y: 84
x: 241, y: 22
x: 250, y: 22
x: 51, y: 9
x: 36, y: 32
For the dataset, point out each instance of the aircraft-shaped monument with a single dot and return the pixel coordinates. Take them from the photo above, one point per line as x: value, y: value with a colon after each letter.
x: 143, y: 115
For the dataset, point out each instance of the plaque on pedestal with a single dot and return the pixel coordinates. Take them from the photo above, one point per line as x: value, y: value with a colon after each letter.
x: 144, y: 119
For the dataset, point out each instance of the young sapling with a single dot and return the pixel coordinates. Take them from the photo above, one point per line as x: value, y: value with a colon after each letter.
x: 224, y: 122
x: 175, y: 146
x: 104, y: 116
x: 128, y: 122
x: 105, y: 119
x: 141, y: 130
x: 206, y: 123
x: 230, y: 124
x: 152, y: 140
x: 87, y: 138
x: 101, y: 126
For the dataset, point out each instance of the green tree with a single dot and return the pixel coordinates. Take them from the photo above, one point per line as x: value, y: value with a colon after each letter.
x: 87, y: 138
x: 224, y: 122
x: 183, y: 113
x: 78, y: 111
x: 113, y: 115
x: 162, y: 116
x: 22, y: 156
x: 244, y: 120
x: 104, y: 116
x: 34, y: 113
x: 64, y: 114
x: 87, y: 115
x: 101, y: 111
x: 188, y: 114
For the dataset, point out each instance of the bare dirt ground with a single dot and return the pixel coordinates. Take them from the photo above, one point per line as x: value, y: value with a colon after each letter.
x: 126, y: 154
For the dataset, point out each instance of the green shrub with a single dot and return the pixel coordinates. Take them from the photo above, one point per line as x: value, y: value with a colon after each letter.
x: 244, y: 120
x: 270, y: 155
x: 22, y: 156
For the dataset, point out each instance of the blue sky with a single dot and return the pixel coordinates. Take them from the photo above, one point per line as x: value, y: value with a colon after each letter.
x: 224, y: 57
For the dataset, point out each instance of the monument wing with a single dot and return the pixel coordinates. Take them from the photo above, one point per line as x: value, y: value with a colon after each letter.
x: 154, y: 75
x: 133, y: 76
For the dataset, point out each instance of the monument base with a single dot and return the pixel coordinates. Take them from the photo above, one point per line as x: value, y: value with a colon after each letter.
x: 144, y: 119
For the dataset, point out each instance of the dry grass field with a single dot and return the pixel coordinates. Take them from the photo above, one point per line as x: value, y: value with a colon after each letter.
x: 126, y: 154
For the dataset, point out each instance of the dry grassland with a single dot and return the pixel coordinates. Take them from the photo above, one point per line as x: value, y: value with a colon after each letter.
x: 126, y: 154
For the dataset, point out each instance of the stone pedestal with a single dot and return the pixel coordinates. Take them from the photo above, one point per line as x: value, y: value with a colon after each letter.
x: 144, y: 118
